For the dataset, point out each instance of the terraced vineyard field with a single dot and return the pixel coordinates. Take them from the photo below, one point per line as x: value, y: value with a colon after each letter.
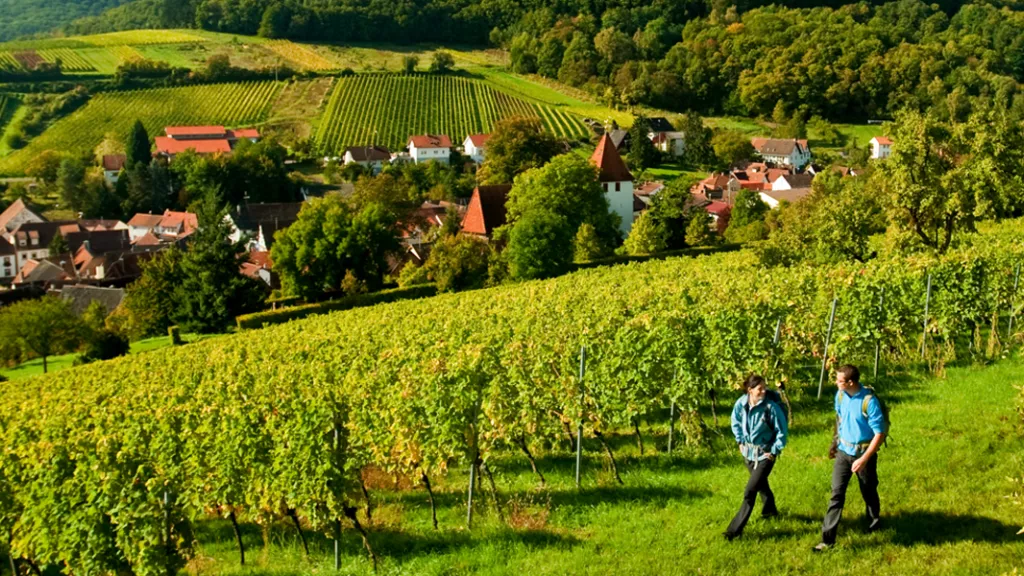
x: 386, y: 109
x: 299, y: 56
x: 113, y: 113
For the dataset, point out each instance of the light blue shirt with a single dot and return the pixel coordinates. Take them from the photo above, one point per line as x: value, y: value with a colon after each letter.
x: 854, y: 428
x: 761, y: 429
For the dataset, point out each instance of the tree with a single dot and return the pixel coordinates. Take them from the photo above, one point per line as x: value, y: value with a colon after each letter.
x: 698, y: 231
x: 549, y: 61
x: 731, y: 147
x: 642, y: 153
x: 670, y: 210
x: 579, y: 63
x: 614, y: 46
x: 149, y: 301
x: 41, y: 328
x: 137, y: 147
x: 58, y: 246
x: 587, y: 246
x: 646, y: 237
x: 409, y: 63
x: 746, y: 223
x: 516, y: 145
x: 44, y: 167
x: 71, y: 183
x: 458, y: 263
x: 276, y: 19
x: 698, y: 151
x: 442, y: 62
x: 213, y: 290
x: 824, y: 130
x: 538, y: 246
x: 943, y: 176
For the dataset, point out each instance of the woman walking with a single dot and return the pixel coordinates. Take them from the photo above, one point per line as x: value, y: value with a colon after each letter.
x: 760, y: 427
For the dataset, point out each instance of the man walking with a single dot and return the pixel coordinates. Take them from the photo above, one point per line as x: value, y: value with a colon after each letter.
x: 860, y: 431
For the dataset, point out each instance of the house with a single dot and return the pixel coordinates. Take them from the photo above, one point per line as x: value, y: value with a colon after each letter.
x: 201, y: 140
x: 430, y: 147
x: 112, y: 166
x: 620, y: 138
x: 81, y: 296
x: 881, y: 147
x: 119, y: 267
x: 773, y: 198
x: 673, y: 143
x: 717, y: 186
x: 844, y: 171
x: 32, y: 240
x: 373, y: 158
x: 792, y: 181
x: 787, y: 152
x: 475, y: 146
x: 17, y: 214
x: 259, y: 267
x: 616, y: 181
x: 98, y: 225
x: 169, y: 227
x: 41, y: 272
x: 8, y: 260
x: 486, y: 210
x: 644, y: 194
x: 261, y: 221
x: 659, y: 124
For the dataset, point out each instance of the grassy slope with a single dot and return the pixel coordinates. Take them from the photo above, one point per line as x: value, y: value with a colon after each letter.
x: 55, y: 363
x: 944, y: 487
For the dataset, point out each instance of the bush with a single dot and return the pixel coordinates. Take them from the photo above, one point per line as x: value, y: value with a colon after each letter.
x: 412, y: 275
x: 175, y: 333
x: 104, y: 345
x: 270, y: 317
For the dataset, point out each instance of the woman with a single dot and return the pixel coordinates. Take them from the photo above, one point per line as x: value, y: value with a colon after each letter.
x: 760, y: 427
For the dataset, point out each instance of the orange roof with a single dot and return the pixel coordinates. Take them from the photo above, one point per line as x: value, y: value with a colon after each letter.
x: 882, y: 141
x: 431, y: 141
x: 486, y: 210
x: 148, y: 239
x: 145, y: 220
x: 195, y: 131
x: 244, y: 133
x: 608, y: 160
x: 479, y: 140
x: 171, y: 146
x: 186, y: 220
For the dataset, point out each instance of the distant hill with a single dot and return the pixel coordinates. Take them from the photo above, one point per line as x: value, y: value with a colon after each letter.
x: 27, y: 17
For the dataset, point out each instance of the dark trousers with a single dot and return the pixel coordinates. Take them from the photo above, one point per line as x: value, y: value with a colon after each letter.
x: 842, y: 471
x: 756, y: 484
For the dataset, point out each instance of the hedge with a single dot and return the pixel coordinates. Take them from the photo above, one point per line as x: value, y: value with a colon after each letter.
x: 271, y: 317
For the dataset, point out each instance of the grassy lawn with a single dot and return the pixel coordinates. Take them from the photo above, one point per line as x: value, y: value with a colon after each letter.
x: 55, y: 363
x: 945, y: 482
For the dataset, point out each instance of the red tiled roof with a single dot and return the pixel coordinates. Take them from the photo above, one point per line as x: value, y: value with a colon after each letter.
x: 145, y: 220
x: 114, y: 162
x: 243, y: 133
x: 717, y: 208
x: 17, y: 207
x: 195, y: 131
x: 479, y: 140
x: 186, y: 220
x: 608, y: 160
x: 486, y: 210
x: 171, y: 146
x: 648, y: 188
x: 431, y: 141
x: 148, y: 239
x: 883, y: 141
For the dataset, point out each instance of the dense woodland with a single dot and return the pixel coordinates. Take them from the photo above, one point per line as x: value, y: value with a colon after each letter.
x: 26, y: 17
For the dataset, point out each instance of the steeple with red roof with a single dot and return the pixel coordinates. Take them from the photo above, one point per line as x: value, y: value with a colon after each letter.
x: 616, y: 181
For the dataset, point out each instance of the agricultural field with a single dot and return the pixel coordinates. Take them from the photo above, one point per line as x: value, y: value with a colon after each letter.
x: 386, y: 109
x: 112, y: 114
x: 299, y: 56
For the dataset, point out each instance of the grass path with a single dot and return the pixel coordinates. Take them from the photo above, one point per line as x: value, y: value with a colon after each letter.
x: 945, y: 482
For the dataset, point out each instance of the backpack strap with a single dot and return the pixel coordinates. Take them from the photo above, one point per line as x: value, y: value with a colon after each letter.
x: 864, y: 405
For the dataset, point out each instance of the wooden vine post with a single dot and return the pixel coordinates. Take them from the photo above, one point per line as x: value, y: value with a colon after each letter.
x: 579, y: 427
x: 878, y: 341
x: 1016, y: 280
x: 469, y: 501
x: 924, y: 322
x: 337, y: 521
x: 828, y: 340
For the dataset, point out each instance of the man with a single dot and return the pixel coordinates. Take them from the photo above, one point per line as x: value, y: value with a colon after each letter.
x: 760, y: 427
x: 860, y: 431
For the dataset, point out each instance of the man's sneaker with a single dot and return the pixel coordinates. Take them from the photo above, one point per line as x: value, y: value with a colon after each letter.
x: 822, y: 547
x: 876, y: 525
x: 769, y: 515
x: 729, y: 536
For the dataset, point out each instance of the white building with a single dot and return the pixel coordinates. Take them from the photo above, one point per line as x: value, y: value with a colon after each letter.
x: 795, y: 153
x: 475, y: 146
x: 881, y: 147
x: 430, y: 148
x: 112, y: 166
x: 792, y: 181
x: 616, y: 181
x: 774, y: 198
x: 673, y: 143
x: 371, y: 157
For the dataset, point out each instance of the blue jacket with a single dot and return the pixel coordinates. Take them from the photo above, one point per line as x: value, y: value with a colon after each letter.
x: 856, y: 431
x: 760, y: 430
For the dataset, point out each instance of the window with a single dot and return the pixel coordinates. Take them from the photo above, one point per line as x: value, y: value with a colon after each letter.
x: 618, y: 187
x: 605, y: 186
x: 35, y: 241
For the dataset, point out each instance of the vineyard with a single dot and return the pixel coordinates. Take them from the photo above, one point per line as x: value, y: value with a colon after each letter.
x: 386, y: 109
x: 105, y: 466
x: 115, y: 112
x: 300, y: 57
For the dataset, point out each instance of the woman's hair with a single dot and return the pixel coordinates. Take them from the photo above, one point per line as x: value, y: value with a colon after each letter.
x: 752, y: 381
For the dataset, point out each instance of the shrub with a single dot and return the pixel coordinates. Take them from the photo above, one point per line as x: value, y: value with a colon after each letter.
x: 104, y: 345
x: 175, y: 333
x: 270, y: 317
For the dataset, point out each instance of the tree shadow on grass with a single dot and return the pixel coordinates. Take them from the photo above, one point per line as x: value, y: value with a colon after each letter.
x: 585, y: 496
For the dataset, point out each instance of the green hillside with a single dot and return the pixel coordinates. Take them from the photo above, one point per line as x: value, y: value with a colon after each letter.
x: 386, y: 109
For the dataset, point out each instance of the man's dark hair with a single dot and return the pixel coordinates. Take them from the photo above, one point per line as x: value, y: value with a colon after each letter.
x: 849, y: 372
x: 752, y: 381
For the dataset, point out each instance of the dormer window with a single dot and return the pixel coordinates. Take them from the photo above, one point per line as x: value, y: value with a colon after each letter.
x: 35, y: 241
